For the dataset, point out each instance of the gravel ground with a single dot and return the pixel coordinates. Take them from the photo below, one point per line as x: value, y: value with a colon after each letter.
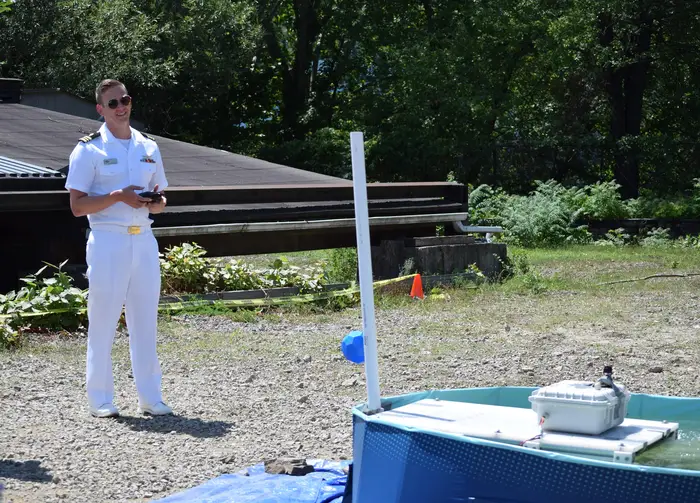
x: 278, y: 387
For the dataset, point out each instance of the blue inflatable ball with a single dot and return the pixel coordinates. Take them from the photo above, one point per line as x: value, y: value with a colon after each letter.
x: 353, y: 346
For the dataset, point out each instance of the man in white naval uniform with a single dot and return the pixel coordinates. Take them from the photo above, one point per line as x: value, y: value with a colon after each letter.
x: 107, y: 171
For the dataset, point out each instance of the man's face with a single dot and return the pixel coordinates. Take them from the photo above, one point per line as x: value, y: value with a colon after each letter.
x: 120, y: 113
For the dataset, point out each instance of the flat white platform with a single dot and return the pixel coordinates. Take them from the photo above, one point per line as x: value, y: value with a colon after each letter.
x: 519, y: 426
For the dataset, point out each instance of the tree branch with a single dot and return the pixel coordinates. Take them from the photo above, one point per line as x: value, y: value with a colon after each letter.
x: 650, y: 277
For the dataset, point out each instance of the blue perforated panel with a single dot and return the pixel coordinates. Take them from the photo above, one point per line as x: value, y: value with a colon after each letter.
x: 399, y: 466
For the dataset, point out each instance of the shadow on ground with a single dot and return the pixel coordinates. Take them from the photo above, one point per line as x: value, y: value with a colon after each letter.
x: 178, y: 424
x: 30, y: 471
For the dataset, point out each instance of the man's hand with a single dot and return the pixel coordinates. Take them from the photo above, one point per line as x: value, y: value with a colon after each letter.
x: 82, y: 204
x: 129, y: 196
x: 157, y: 207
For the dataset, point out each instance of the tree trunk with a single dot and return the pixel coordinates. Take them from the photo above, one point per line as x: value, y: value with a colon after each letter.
x: 295, y: 93
x: 296, y: 75
x: 625, y: 86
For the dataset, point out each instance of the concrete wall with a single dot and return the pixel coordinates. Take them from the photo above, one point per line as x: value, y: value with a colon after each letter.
x: 437, y: 255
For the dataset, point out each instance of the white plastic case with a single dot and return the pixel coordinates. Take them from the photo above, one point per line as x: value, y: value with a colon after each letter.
x: 580, y: 407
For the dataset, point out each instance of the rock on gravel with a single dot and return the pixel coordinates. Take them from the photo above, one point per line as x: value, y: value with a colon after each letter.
x: 295, y: 467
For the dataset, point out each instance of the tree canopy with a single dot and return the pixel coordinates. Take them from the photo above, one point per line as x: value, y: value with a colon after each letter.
x: 504, y: 92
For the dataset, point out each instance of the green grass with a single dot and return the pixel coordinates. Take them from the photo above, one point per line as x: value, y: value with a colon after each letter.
x: 571, y: 267
x: 585, y: 267
x: 681, y: 258
x: 580, y: 269
x: 216, y: 308
x: 564, y: 282
x: 301, y: 259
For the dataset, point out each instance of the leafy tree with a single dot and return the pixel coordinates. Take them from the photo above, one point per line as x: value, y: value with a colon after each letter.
x: 504, y: 92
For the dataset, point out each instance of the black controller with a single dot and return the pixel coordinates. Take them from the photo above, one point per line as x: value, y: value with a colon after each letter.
x: 153, y: 196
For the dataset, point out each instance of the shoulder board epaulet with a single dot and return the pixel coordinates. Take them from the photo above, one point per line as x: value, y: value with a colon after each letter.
x: 148, y: 136
x: 90, y: 137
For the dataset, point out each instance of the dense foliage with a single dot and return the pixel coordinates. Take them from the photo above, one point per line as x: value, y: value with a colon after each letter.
x: 49, y: 301
x: 503, y: 92
x: 554, y: 215
x: 186, y: 270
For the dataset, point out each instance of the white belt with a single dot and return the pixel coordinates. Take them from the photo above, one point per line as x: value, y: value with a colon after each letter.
x: 123, y: 229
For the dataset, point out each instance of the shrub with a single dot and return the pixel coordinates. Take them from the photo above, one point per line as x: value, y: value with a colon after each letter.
x: 553, y: 215
x: 615, y: 237
x: 52, y: 302
x: 233, y: 275
x: 546, y: 217
x: 56, y: 295
x: 656, y: 237
x: 9, y: 336
x: 186, y: 270
x: 342, y: 266
x: 603, y: 201
x: 283, y: 275
x: 487, y: 205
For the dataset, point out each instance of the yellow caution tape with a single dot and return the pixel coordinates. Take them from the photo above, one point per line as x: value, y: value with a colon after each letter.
x: 33, y: 314
x: 269, y: 301
x: 265, y: 301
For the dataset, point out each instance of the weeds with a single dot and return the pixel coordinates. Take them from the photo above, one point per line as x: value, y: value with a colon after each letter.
x: 51, y: 302
x: 553, y: 215
x: 342, y: 265
x: 9, y: 336
x: 185, y: 269
x: 531, y: 271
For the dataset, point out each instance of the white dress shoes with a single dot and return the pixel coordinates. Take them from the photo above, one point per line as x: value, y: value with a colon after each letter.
x: 157, y: 409
x: 104, y: 410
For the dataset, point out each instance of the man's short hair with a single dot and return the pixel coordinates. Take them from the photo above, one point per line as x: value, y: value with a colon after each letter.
x: 103, y: 86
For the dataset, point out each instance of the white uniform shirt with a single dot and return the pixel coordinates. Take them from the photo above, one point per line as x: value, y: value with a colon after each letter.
x: 104, y: 164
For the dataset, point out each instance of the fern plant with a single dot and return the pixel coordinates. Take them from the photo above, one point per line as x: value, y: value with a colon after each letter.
x: 604, y: 202
x: 546, y: 217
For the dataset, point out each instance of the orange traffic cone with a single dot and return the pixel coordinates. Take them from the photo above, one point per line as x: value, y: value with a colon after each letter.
x: 417, y: 288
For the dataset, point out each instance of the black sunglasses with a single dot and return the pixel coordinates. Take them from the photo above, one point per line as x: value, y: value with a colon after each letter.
x: 114, y: 102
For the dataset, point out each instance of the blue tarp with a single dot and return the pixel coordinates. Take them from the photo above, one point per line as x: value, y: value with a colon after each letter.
x: 326, y: 484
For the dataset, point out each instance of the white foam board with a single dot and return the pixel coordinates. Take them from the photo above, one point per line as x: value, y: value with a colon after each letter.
x: 520, y: 426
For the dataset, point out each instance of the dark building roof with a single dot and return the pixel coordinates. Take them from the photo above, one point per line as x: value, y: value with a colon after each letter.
x: 45, y: 139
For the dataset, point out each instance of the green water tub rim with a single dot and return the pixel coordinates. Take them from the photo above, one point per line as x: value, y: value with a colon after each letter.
x: 641, y: 406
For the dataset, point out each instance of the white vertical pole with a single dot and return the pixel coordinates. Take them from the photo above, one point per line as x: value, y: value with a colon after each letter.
x: 364, y: 262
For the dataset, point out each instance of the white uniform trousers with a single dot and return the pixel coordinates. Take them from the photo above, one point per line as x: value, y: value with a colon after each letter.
x: 123, y: 270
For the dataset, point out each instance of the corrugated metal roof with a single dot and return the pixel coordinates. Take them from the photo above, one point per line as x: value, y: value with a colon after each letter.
x: 13, y: 168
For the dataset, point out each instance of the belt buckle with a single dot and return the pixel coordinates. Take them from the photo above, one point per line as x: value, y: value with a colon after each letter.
x: 134, y: 229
